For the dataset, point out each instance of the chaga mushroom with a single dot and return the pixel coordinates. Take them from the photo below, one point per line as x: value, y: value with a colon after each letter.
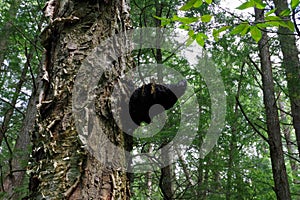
x: 144, y: 100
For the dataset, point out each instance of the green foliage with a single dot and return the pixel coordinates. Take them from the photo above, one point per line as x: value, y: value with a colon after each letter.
x: 242, y: 28
x: 190, y: 4
x: 252, y: 3
x: 239, y: 166
x: 20, y: 25
x: 294, y: 4
x: 255, y: 33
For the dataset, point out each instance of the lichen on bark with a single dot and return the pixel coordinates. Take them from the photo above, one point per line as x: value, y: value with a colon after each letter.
x: 61, y: 168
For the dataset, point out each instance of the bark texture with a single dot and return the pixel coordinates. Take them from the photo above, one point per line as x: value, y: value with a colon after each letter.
x: 291, y: 65
x: 61, y: 168
x: 281, y: 188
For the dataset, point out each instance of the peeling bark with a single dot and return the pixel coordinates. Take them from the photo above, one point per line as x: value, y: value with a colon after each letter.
x: 62, y: 169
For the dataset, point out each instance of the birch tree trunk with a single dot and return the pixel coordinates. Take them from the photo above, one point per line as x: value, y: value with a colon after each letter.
x: 61, y: 168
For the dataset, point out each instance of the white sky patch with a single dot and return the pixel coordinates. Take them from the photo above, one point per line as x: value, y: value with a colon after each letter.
x: 231, y: 6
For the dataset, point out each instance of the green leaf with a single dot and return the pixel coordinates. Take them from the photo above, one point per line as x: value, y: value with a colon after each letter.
x: 285, y: 13
x: 200, y: 39
x: 259, y: 4
x: 191, y: 33
x: 188, y: 20
x: 175, y: 18
x: 255, y: 33
x: 208, y: 1
x: 248, y: 4
x: 188, y: 5
x: 198, y: 3
x: 206, y: 18
x: 288, y: 25
x: 262, y: 25
x: 224, y: 28
x: 240, y: 28
x: 246, y: 30
x: 164, y: 21
x: 273, y: 24
x: 185, y: 27
x: 190, y: 41
x: 273, y: 18
x: 216, y: 32
x: 271, y: 12
x: 294, y: 4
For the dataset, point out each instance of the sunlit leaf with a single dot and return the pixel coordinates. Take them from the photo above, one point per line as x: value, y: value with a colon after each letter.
x: 185, y: 27
x: 190, y: 41
x: 208, y: 1
x: 188, y: 20
x: 248, y: 4
x: 255, y: 33
x: 216, y: 32
x: 164, y: 21
x: 273, y: 18
x: 270, y: 12
x: 188, y: 5
x: 259, y: 4
x: 288, y: 25
x: 200, y: 39
x: 246, y: 30
x: 206, y: 18
x: 262, y: 25
x: 198, y: 3
x: 175, y: 18
x: 272, y: 24
x: 294, y: 4
x: 285, y: 13
x: 240, y: 28
x: 191, y: 33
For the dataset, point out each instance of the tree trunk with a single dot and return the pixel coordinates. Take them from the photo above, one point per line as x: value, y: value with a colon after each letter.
x: 166, y: 181
x: 282, y: 189
x: 232, y: 161
x: 18, y: 163
x: 61, y: 168
x: 286, y: 129
x: 291, y: 65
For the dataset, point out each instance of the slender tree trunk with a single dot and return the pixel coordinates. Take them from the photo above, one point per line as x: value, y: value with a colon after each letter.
x: 149, y: 177
x: 167, y: 177
x: 19, y: 161
x: 286, y: 129
x: 282, y: 189
x: 291, y: 64
x: 62, y: 169
x: 233, y: 142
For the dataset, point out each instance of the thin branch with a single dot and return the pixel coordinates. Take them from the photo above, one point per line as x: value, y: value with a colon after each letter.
x: 12, y: 106
x: 295, y: 23
x: 250, y: 123
x: 32, y: 42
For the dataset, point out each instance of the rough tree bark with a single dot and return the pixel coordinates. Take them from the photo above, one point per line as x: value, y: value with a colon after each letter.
x: 291, y: 64
x: 281, y: 188
x: 61, y: 168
